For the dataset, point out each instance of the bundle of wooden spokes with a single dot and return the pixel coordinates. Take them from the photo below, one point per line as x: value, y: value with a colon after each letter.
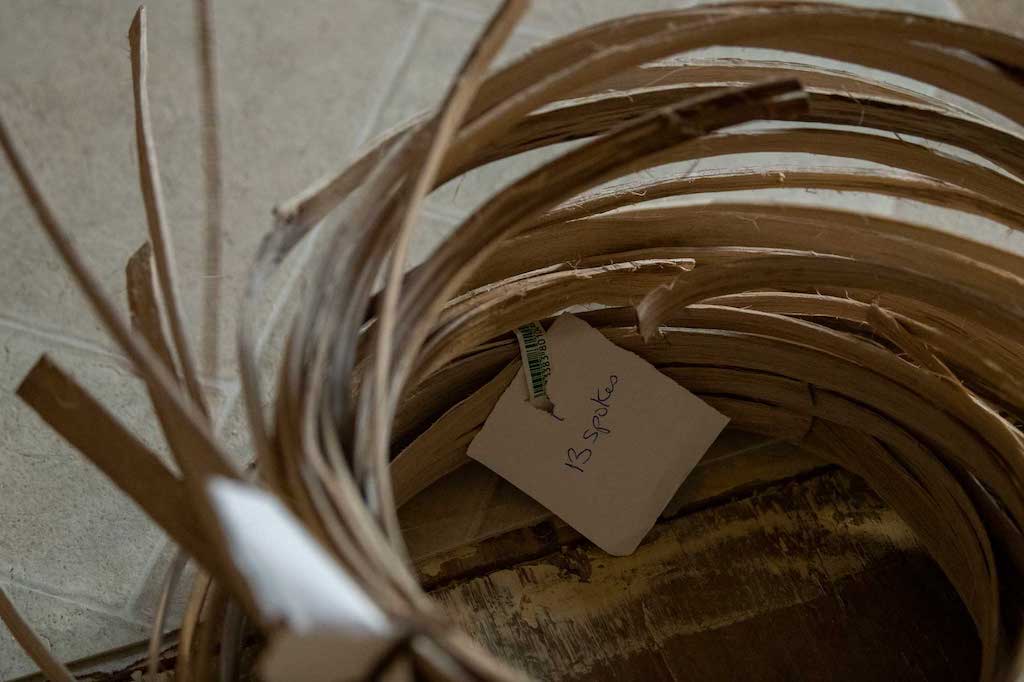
x: 890, y: 348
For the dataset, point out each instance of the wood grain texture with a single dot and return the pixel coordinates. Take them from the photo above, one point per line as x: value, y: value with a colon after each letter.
x: 815, y: 580
x: 818, y: 580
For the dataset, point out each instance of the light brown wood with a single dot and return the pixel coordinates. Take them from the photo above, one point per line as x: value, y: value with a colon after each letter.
x: 889, y: 348
x: 800, y: 576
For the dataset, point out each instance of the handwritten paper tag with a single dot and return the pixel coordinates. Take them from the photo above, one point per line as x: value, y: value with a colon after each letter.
x: 620, y: 441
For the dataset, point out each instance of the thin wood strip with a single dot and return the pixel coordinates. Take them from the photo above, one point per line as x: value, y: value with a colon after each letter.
x: 887, y: 324
x: 144, y: 306
x: 482, y: 316
x: 156, y: 636
x: 917, y: 189
x: 146, y: 320
x: 605, y: 48
x: 672, y: 349
x: 416, y: 467
x: 773, y: 272
x: 305, y: 209
x: 897, y: 154
x: 457, y: 102
x: 734, y: 72
x: 755, y: 225
x: 71, y: 411
x: 920, y: 62
x: 192, y: 444
x: 31, y: 643
x: 212, y: 186
x: 597, y: 115
x: 591, y: 165
x: 183, y: 671
x: 152, y: 198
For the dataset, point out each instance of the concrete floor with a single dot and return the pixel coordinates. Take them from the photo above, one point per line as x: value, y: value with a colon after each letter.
x: 304, y: 84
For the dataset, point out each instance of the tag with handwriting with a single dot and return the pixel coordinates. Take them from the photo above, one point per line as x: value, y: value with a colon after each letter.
x: 618, y: 443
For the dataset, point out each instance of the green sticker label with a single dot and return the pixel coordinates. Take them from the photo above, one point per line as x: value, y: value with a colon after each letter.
x: 534, y: 351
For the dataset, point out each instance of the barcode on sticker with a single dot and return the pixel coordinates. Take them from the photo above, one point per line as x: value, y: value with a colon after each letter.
x: 534, y: 350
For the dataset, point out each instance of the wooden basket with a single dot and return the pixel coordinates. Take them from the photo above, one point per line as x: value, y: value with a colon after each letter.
x: 889, y: 348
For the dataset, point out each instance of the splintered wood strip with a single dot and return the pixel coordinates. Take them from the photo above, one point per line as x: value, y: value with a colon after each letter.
x: 733, y: 72
x: 887, y: 324
x: 791, y: 26
x: 144, y: 305
x: 772, y: 272
x: 921, y: 62
x: 766, y: 226
x: 979, y: 83
x: 152, y: 196
x: 894, y: 153
x: 820, y: 178
x: 799, y: 23
x: 31, y: 643
x: 597, y: 115
x: 599, y: 161
x: 482, y: 317
x: 553, y: 292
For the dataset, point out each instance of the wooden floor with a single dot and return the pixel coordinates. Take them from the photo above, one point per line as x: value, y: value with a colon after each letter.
x: 813, y: 579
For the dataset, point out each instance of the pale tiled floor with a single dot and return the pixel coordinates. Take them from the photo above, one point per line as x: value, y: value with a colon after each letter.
x: 304, y: 84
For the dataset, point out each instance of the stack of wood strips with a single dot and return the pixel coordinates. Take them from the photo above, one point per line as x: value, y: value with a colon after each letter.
x: 890, y: 348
